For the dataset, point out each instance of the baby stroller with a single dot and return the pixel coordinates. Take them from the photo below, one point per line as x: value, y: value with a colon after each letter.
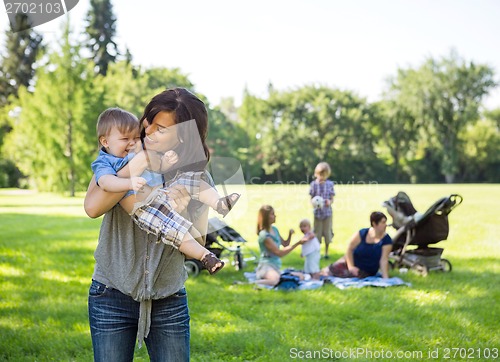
x: 218, y: 235
x: 421, y: 230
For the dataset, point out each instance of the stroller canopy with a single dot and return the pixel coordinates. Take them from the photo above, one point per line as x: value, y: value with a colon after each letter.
x: 430, y: 227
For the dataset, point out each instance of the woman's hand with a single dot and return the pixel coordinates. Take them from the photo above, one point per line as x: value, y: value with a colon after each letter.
x: 354, y: 270
x: 310, y: 235
x: 384, y: 260
x: 306, y: 238
x: 179, y: 197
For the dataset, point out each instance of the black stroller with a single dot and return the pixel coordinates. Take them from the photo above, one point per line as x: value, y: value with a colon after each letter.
x: 421, y: 230
x: 219, y: 234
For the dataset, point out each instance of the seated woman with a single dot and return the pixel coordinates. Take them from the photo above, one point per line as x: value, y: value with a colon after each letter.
x: 268, y: 271
x: 368, y: 251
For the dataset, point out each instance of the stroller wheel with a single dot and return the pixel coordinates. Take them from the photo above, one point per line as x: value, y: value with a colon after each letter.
x: 445, y: 265
x: 192, y: 267
x: 420, y: 269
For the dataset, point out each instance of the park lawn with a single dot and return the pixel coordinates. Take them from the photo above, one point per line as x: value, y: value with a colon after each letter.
x: 46, y: 261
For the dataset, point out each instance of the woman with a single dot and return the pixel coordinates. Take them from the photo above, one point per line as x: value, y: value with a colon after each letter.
x: 368, y: 251
x: 137, y: 289
x: 268, y: 271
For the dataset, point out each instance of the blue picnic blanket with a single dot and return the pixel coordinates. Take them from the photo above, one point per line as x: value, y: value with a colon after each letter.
x: 375, y: 281
x: 342, y: 283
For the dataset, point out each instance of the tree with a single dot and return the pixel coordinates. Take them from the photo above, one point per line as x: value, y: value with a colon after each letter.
x: 122, y: 87
x: 22, y: 49
x: 17, y: 65
x: 131, y: 88
x: 252, y: 113
x: 445, y: 96
x: 225, y: 137
x: 101, y: 29
x: 480, y: 159
x: 494, y: 115
x: 53, y: 140
x: 397, y: 132
x: 296, y: 129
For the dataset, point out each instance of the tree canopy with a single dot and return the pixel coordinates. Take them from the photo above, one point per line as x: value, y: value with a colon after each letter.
x: 429, y: 125
x: 101, y: 30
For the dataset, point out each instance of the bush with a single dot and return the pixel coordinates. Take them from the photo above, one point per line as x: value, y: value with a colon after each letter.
x: 10, y: 175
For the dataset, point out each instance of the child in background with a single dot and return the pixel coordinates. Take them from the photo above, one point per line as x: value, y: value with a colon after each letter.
x: 321, y: 186
x: 310, y: 249
x: 118, y: 135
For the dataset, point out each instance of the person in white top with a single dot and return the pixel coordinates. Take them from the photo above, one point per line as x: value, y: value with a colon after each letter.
x: 310, y: 249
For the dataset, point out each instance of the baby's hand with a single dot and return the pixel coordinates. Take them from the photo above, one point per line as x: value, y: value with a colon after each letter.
x: 137, y: 148
x: 137, y: 183
x: 169, y: 158
x: 292, y: 231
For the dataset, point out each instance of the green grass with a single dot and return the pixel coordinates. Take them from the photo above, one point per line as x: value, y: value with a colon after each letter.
x: 46, y: 261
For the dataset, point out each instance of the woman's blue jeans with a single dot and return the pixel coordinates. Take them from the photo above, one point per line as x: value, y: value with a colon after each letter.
x: 114, y: 317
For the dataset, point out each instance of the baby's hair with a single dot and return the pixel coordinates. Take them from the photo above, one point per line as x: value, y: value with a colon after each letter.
x: 124, y: 121
x: 305, y: 222
x: 324, y: 169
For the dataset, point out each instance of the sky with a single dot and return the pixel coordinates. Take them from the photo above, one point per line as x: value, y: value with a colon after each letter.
x: 226, y: 46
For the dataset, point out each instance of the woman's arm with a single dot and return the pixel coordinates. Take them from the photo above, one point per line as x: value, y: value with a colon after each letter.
x: 349, y: 255
x: 97, y: 201
x: 272, y: 248
x: 287, y: 241
x: 384, y: 260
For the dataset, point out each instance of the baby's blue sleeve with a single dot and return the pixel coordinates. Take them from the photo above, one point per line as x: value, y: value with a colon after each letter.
x: 101, y: 166
x: 109, y: 165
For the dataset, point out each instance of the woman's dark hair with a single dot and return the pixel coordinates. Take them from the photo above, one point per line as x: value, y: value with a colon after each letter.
x: 376, y: 217
x: 185, y: 106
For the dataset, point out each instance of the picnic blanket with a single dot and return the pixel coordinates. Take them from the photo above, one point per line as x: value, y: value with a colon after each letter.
x: 342, y: 283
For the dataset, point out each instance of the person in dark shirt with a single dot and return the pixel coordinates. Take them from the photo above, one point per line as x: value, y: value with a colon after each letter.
x: 367, y: 253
